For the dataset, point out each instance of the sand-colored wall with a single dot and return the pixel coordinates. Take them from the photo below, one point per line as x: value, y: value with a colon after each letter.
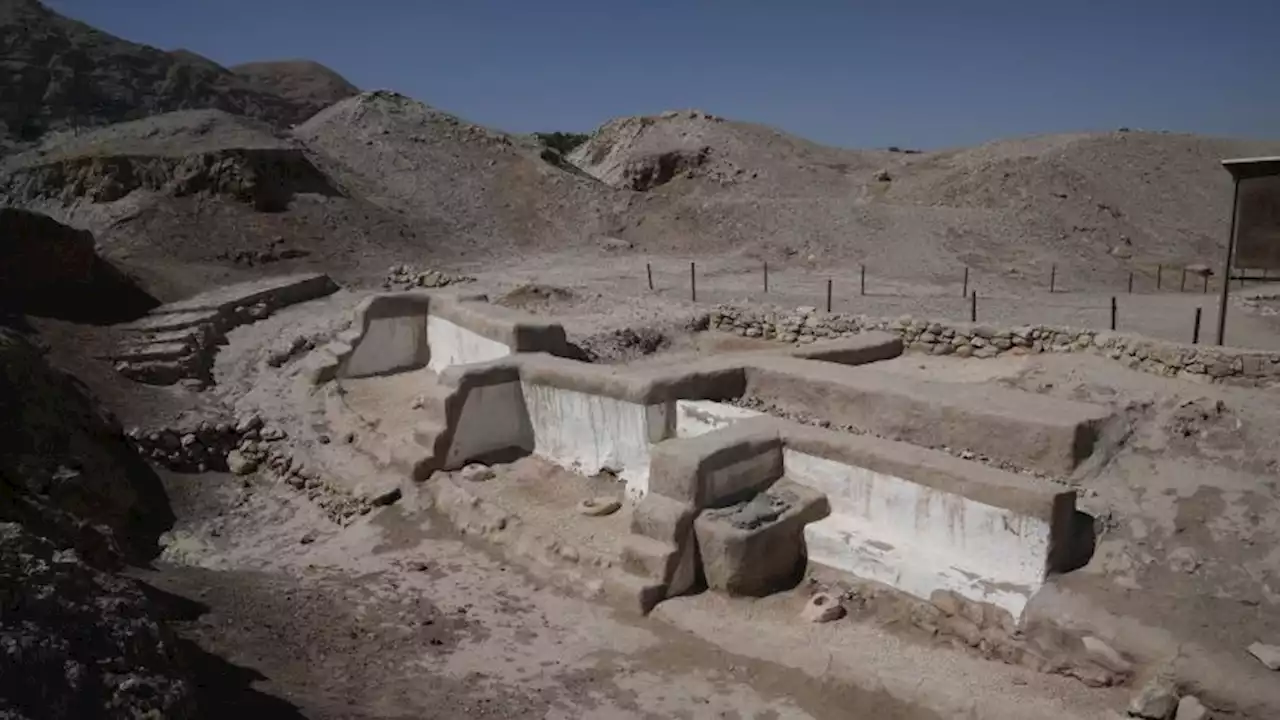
x: 589, y: 433
x: 921, y: 539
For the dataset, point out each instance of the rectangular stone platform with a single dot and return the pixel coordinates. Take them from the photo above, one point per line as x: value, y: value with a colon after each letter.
x: 1028, y: 430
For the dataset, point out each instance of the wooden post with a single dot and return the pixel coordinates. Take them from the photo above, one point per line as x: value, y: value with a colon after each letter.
x: 973, y: 306
x: 1206, y: 284
x: 828, y: 294
x: 862, y: 279
x: 766, y: 276
x: 1113, y: 312
x: 1130, y: 282
x: 648, y: 269
x: 1159, y: 275
x: 1195, y: 329
x: 1183, y: 285
x: 693, y: 281
x: 965, y: 291
x: 1053, y: 277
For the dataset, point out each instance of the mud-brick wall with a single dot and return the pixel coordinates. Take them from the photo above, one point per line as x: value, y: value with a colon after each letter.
x: 1194, y: 362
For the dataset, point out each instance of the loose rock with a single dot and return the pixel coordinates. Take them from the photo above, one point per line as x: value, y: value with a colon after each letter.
x: 1268, y: 655
x: 822, y: 608
x: 1190, y: 708
x: 239, y: 464
x: 1155, y: 701
x: 599, y: 506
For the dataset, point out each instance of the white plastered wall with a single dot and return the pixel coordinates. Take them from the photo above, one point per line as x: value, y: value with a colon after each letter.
x: 493, y: 418
x: 919, y: 539
x: 388, y: 344
x: 452, y: 344
x: 698, y: 417
x: 589, y: 433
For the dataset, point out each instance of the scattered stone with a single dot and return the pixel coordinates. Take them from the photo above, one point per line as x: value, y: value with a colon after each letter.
x: 308, y: 538
x: 614, y: 244
x: 240, y: 464
x: 1184, y: 559
x: 273, y: 433
x: 406, y: 277
x: 1268, y: 655
x: 1190, y: 708
x: 324, y: 439
x: 249, y: 423
x: 883, y: 176
x: 1106, y: 655
x: 476, y: 473
x: 349, y: 438
x: 1155, y: 701
x: 599, y: 506
x: 822, y: 608
x: 385, y: 498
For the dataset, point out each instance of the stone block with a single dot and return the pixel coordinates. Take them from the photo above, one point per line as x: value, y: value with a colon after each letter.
x: 757, y: 547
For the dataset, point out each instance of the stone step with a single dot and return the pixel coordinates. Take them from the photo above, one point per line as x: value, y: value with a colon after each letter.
x: 663, y: 518
x: 633, y: 593
x: 647, y: 557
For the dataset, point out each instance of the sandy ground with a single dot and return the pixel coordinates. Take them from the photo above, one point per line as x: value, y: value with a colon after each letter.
x: 396, y: 618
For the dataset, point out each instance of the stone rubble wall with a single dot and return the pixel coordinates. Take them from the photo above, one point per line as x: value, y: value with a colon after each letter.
x: 1201, y: 363
x: 178, y: 342
x: 243, y: 447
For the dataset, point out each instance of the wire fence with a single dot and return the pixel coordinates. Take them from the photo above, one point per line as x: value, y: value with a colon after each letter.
x: 1158, y: 300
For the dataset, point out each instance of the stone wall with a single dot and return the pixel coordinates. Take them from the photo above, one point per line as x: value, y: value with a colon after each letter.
x: 1202, y: 363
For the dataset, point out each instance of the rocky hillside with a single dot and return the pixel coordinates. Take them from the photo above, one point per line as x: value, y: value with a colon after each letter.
x: 66, y: 471
x: 1100, y: 203
x: 491, y: 190
x: 205, y: 187
x: 307, y: 84
x: 76, y: 501
x: 63, y: 74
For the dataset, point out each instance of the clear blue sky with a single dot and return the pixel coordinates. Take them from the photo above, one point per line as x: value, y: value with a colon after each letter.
x: 922, y: 73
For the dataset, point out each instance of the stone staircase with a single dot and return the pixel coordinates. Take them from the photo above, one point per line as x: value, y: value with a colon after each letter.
x: 658, y: 557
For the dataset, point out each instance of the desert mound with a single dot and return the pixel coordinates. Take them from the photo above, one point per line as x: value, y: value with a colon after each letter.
x: 199, y: 188
x: 1102, y: 204
x: 305, y: 83
x: 493, y: 191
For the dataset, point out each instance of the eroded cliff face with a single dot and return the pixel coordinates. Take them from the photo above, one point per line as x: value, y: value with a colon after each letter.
x: 264, y: 178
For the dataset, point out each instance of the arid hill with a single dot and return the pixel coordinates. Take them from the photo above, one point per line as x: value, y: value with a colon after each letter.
x: 189, y: 198
x: 305, y: 83
x: 63, y: 74
x: 1100, y: 203
x: 492, y: 190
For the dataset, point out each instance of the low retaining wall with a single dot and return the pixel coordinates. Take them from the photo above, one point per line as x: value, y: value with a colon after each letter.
x: 178, y: 341
x: 584, y: 417
x: 591, y: 418
x: 1192, y: 362
x: 918, y: 520
x: 393, y: 332
x: 1024, y: 429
